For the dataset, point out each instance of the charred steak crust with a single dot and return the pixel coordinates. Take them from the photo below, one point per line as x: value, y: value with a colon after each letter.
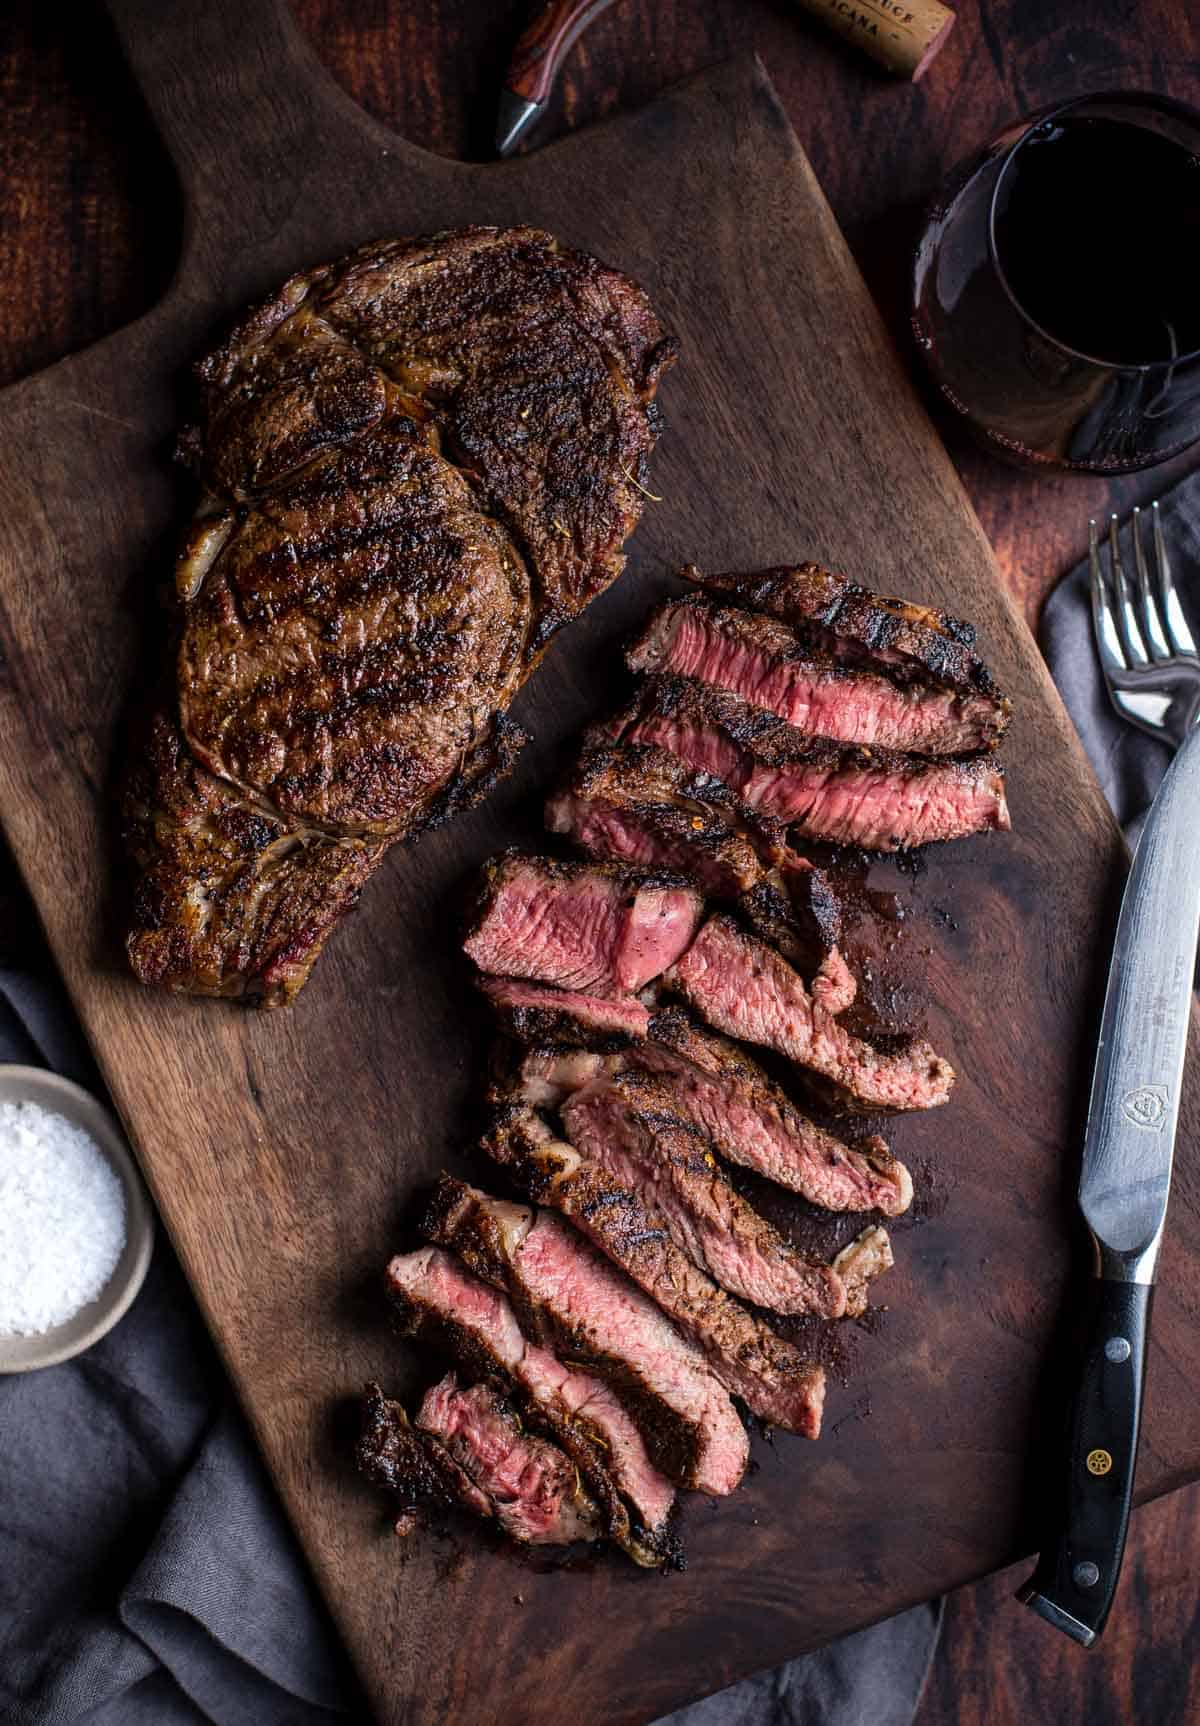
x: 864, y: 627
x: 392, y: 1454
x: 468, y: 1448
x: 767, y: 664
x: 420, y: 462
x: 354, y: 638
x: 227, y: 901
x: 841, y: 793
x: 770, y: 1375
x: 639, y: 804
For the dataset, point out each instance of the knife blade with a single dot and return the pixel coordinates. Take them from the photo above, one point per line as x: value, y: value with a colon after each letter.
x: 1124, y: 1186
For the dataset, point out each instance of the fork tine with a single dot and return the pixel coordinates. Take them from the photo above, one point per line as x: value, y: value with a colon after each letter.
x: 1178, y: 633
x: 1136, y: 652
x: 1108, y: 642
x: 1150, y: 615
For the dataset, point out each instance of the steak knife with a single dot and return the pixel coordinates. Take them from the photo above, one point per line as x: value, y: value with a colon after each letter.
x: 543, y: 47
x: 1123, y: 1189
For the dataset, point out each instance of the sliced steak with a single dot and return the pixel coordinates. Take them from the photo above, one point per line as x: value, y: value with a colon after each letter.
x: 718, y: 1088
x: 535, y: 1014
x: 391, y: 1454
x: 588, y: 928
x: 640, y: 804
x: 771, y: 913
x: 437, y: 1300
x: 533, y: 1489
x: 907, y: 642
x: 768, y: 665
x: 628, y: 1127
x: 566, y: 1293
x: 770, y: 1375
x: 839, y: 793
x: 866, y: 1257
x: 740, y: 986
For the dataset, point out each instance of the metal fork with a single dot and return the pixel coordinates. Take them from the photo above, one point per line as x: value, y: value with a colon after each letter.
x: 1147, y: 653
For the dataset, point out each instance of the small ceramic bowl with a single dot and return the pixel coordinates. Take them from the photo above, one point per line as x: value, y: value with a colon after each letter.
x: 91, y: 1322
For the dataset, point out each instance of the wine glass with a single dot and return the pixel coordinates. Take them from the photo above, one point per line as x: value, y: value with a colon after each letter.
x: 1056, y: 285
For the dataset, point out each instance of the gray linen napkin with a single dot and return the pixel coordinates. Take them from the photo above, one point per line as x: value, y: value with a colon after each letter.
x: 147, y: 1576
x: 146, y: 1571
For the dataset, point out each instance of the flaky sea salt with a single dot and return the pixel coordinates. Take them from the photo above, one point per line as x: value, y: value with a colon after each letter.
x: 62, y: 1219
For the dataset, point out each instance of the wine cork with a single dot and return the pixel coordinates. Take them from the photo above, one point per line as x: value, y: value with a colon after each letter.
x: 903, y: 35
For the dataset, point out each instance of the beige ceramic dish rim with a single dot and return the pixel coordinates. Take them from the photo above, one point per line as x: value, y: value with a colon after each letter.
x: 20, y: 1084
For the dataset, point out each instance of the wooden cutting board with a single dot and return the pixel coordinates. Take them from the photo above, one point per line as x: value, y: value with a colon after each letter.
x: 282, y: 1149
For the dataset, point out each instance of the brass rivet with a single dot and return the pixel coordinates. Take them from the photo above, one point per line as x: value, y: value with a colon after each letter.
x: 1099, y: 1462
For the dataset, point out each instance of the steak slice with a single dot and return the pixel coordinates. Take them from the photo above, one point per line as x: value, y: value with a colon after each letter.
x: 640, y: 804
x: 907, y: 642
x: 627, y: 1126
x: 565, y: 1292
x: 532, y: 1488
x: 534, y: 1014
x: 867, y: 1256
x: 771, y: 914
x: 391, y: 1454
x: 437, y: 1300
x: 765, y: 663
x: 744, y: 989
x: 717, y: 1087
x: 587, y: 928
x: 770, y: 1375
x: 839, y: 793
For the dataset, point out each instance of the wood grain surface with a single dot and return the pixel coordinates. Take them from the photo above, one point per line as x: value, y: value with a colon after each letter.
x: 90, y: 238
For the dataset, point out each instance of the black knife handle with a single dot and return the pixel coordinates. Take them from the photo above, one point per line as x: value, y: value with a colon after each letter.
x: 1077, y: 1573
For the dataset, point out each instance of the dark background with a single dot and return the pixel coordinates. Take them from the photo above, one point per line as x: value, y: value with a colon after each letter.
x: 89, y: 230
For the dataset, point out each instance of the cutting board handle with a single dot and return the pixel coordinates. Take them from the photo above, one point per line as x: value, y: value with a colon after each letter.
x: 250, y: 116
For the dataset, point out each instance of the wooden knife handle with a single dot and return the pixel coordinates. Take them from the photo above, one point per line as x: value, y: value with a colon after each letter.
x: 545, y: 44
x: 1077, y: 1573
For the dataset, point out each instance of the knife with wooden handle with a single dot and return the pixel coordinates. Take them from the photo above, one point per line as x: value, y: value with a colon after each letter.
x: 535, y: 63
x: 1128, y: 1148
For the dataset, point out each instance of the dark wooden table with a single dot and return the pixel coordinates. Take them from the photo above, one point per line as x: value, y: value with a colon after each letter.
x: 88, y: 236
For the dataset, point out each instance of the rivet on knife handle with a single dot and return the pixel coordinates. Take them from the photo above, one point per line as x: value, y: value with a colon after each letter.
x: 535, y: 63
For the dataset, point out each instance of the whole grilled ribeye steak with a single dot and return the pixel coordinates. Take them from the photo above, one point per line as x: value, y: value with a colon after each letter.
x: 419, y: 463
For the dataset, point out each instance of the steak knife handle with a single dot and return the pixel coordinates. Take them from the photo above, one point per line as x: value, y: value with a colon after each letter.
x: 554, y: 28
x: 1077, y: 1573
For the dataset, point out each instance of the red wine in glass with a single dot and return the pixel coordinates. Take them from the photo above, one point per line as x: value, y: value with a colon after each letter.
x: 1056, y: 286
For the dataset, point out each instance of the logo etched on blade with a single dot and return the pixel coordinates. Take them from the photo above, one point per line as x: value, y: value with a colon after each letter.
x: 1146, y: 1107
